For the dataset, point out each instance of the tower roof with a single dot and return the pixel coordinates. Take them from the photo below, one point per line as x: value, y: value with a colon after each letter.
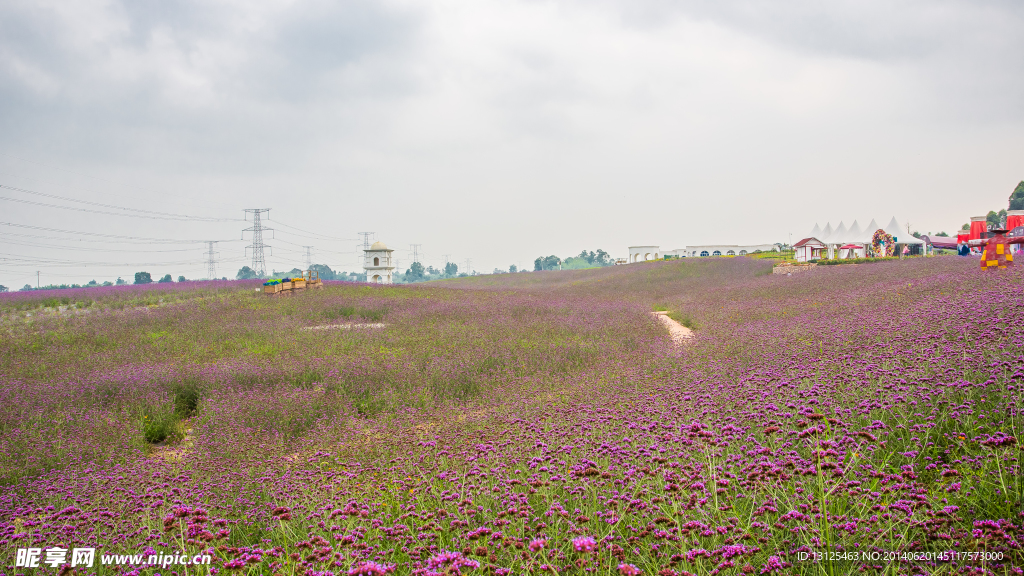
x: 378, y: 245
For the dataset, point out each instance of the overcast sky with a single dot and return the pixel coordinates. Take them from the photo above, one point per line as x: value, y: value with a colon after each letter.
x: 493, y: 130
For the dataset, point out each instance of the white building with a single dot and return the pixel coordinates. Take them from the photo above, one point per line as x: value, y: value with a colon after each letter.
x: 809, y: 249
x: 644, y: 253
x: 721, y: 250
x: 378, y: 264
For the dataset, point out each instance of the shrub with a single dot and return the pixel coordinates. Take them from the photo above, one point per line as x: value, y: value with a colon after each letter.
x: 158, y: 422
x: 187, y: 393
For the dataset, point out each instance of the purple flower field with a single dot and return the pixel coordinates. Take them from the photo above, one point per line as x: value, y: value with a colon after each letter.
x: 848, y: 419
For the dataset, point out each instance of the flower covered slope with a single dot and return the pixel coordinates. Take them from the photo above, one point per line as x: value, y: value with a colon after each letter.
x: 539, y: 423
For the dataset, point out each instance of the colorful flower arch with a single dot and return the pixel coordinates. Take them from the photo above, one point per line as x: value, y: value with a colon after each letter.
x: 882, y: 243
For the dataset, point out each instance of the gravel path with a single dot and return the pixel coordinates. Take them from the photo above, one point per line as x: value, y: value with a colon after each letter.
x: 680, y: 334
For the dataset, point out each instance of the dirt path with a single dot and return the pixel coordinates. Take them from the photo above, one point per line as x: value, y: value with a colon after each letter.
x: 680, y: 334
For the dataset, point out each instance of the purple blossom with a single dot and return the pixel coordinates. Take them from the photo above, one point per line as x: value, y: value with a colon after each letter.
x: 451, y: 561
x: 584, y: 544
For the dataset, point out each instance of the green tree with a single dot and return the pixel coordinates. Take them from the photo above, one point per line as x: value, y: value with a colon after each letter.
x: 1017, y: 197
x: 167, y: 278
x: 415, y: 272
x: 182, y: 279
x: 26, y: 288
x: 323, y: 271
x: 451, y: 269
x: 246, y: 273
x: 546, y: 263
x: 512, y: 269
x: 995, y: 219
x: 143, y: 278
x: 942, y: 234
x: 3, y: 288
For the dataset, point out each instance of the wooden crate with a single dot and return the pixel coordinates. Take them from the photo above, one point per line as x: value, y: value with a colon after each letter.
x: 272, y: 289
x: 299, y: 284
x: 286, y: 285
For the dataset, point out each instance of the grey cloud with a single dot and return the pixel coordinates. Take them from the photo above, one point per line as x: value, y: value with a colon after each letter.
x: 443, y: 121
x: 152, y: 75
x: 871, y: 29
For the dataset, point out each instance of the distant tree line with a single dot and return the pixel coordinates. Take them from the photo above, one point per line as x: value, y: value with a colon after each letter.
x: 323, y: 271
x: 417, y: 272
x: 89, y: 284
x: 147, y: 278
x: 585, y: 259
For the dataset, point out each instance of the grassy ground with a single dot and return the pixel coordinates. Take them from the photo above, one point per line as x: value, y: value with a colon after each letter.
x: 535, y: 422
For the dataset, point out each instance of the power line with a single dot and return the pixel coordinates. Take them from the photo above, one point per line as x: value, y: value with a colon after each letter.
x: 259, y: 263
x: 139, y: 213
x: 17, y: 260
x: 92, y: 249
x: 54, y: 167
x: 309, y: 258
x: 316, y: 235
x: 155, y: 240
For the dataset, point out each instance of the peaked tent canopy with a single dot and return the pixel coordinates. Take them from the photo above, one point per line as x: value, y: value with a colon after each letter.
x: 902, y: 237
x: 839, y: 235
x: 854, y: 233
x: 869, y: 232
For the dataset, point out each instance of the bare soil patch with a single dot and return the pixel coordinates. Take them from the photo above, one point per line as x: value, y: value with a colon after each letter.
x: 680, y: 334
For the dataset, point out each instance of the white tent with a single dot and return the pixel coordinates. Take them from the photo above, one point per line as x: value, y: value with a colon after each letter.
x: 836, y: 238
x: 901, y: 234
x: 844, y: 237
x: 839, y: 234
x: 853, y: 234
x: 825, y: 233
x: 869, y: 232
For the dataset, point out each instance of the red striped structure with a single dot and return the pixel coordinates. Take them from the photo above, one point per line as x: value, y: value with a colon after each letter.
x: 1014, y: 218
x: 979, y: 226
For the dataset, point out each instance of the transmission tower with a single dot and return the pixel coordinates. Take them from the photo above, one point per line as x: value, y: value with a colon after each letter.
x: 366, y: 239
x: 211, y: 264
x: 415, y: 252
x: 309, y: 257
x: 469, y: 265
x: 259, y: 262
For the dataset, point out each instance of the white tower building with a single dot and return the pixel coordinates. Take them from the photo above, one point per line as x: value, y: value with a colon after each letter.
x: 378, y: 264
